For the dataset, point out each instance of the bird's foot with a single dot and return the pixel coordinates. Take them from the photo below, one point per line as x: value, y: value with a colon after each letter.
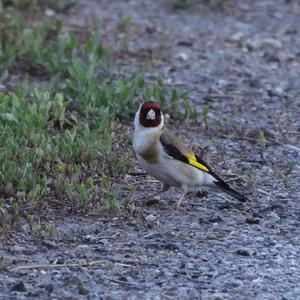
x: 201, y: 194
x: 179, y: 208
x: 154, y: 201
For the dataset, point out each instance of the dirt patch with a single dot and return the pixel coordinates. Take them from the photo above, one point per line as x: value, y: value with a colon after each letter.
x: 242, y: 62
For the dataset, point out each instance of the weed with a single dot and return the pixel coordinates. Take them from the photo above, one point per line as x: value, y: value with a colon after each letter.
x: 205, y: 112
x: 278, y: 116
x: 190, y: 112
x: 125, y: 22
x: 286, y: 172
x: 2, y: 260
x: 58, y: 135
x: 110, y: 200
x: 261, y: 139
x: 279, y: 122
x: 43, y: 229
x: 113, y: 271
x: 250, y: 180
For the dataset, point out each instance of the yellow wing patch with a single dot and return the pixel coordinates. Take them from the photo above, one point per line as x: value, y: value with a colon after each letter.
x: 193, y: 161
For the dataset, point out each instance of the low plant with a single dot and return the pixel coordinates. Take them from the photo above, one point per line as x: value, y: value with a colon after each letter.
x: 58, y: 120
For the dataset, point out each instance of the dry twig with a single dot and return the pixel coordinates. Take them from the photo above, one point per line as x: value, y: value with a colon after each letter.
x: 92, y: 264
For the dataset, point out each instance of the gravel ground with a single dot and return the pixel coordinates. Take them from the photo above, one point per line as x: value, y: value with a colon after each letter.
x: 242, y: 61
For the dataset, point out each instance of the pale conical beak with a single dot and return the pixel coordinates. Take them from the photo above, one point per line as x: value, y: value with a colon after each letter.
x: 151, y: 115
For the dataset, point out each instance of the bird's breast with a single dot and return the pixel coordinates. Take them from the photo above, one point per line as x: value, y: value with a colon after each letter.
x: 147, y: 148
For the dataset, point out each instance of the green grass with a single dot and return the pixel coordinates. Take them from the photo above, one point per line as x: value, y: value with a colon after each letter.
x: 58, y: 118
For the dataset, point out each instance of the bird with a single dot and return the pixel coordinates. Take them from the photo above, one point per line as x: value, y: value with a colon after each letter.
x: 164, y: 156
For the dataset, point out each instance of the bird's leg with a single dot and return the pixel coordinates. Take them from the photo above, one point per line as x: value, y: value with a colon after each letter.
x: 164, y: 188
x: 128, y: 203
x: 184, y: 190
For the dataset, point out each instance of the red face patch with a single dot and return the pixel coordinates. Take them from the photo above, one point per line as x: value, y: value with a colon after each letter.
x: 150, y: 114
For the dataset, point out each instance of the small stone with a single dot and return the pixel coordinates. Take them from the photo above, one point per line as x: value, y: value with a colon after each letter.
x: 194, y: 225
x: 182, y: 56
x: 91, y: 238
x: 123, y: 278
x: 237, y: 37
x: 49, y: 12
x: 171, y: 246
x: 242, y: 252
x: 143, y: 259
x: 279, y: 90
x: 195, y: 274
x: 260, y: 43
x: 215, y: 219
x: 19, y: 287
x: 201, y: 194
x: 72, y: 279
x: 48, y: 287
x: 252, y: 221
x: 83, y: 247
x: 83, y: 262
x: 150, y: 29
x: 185, y: 43
x: 272, y: 43
x: 150, y: 218
x: 154, y: 201
x: 202, y: 220
x: 273, y: 216
x: 49, y: 244
x: 256, y: 158
x: 43, y: 249
x: 17, y: 249
x: 82, y: 290
x: 100, y: 249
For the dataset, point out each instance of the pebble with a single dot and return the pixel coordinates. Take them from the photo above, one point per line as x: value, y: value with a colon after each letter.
x: 49, y: 244
x: 151, y: 221
x: 19, y: 287
x: 252, y: 221
x: 16, y: 249
x: 49, y: 12
x: 171, y: 246
x: 257, y: 158
x: 150, y: 218
x: 242, y: 252
x: 182, y: 56
x: 82, y: 290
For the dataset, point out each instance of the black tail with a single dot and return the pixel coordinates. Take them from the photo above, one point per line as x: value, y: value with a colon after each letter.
x: 227, y: 189
x: 222, y: 184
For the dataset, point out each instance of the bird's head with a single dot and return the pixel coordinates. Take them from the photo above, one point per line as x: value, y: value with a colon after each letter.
x: 149, y: 115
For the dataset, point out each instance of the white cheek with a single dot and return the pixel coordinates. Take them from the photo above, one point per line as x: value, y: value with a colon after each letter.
x: 137, y: 120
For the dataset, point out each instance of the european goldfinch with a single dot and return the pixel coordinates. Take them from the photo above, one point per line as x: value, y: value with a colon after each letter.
x: 164, y: 157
